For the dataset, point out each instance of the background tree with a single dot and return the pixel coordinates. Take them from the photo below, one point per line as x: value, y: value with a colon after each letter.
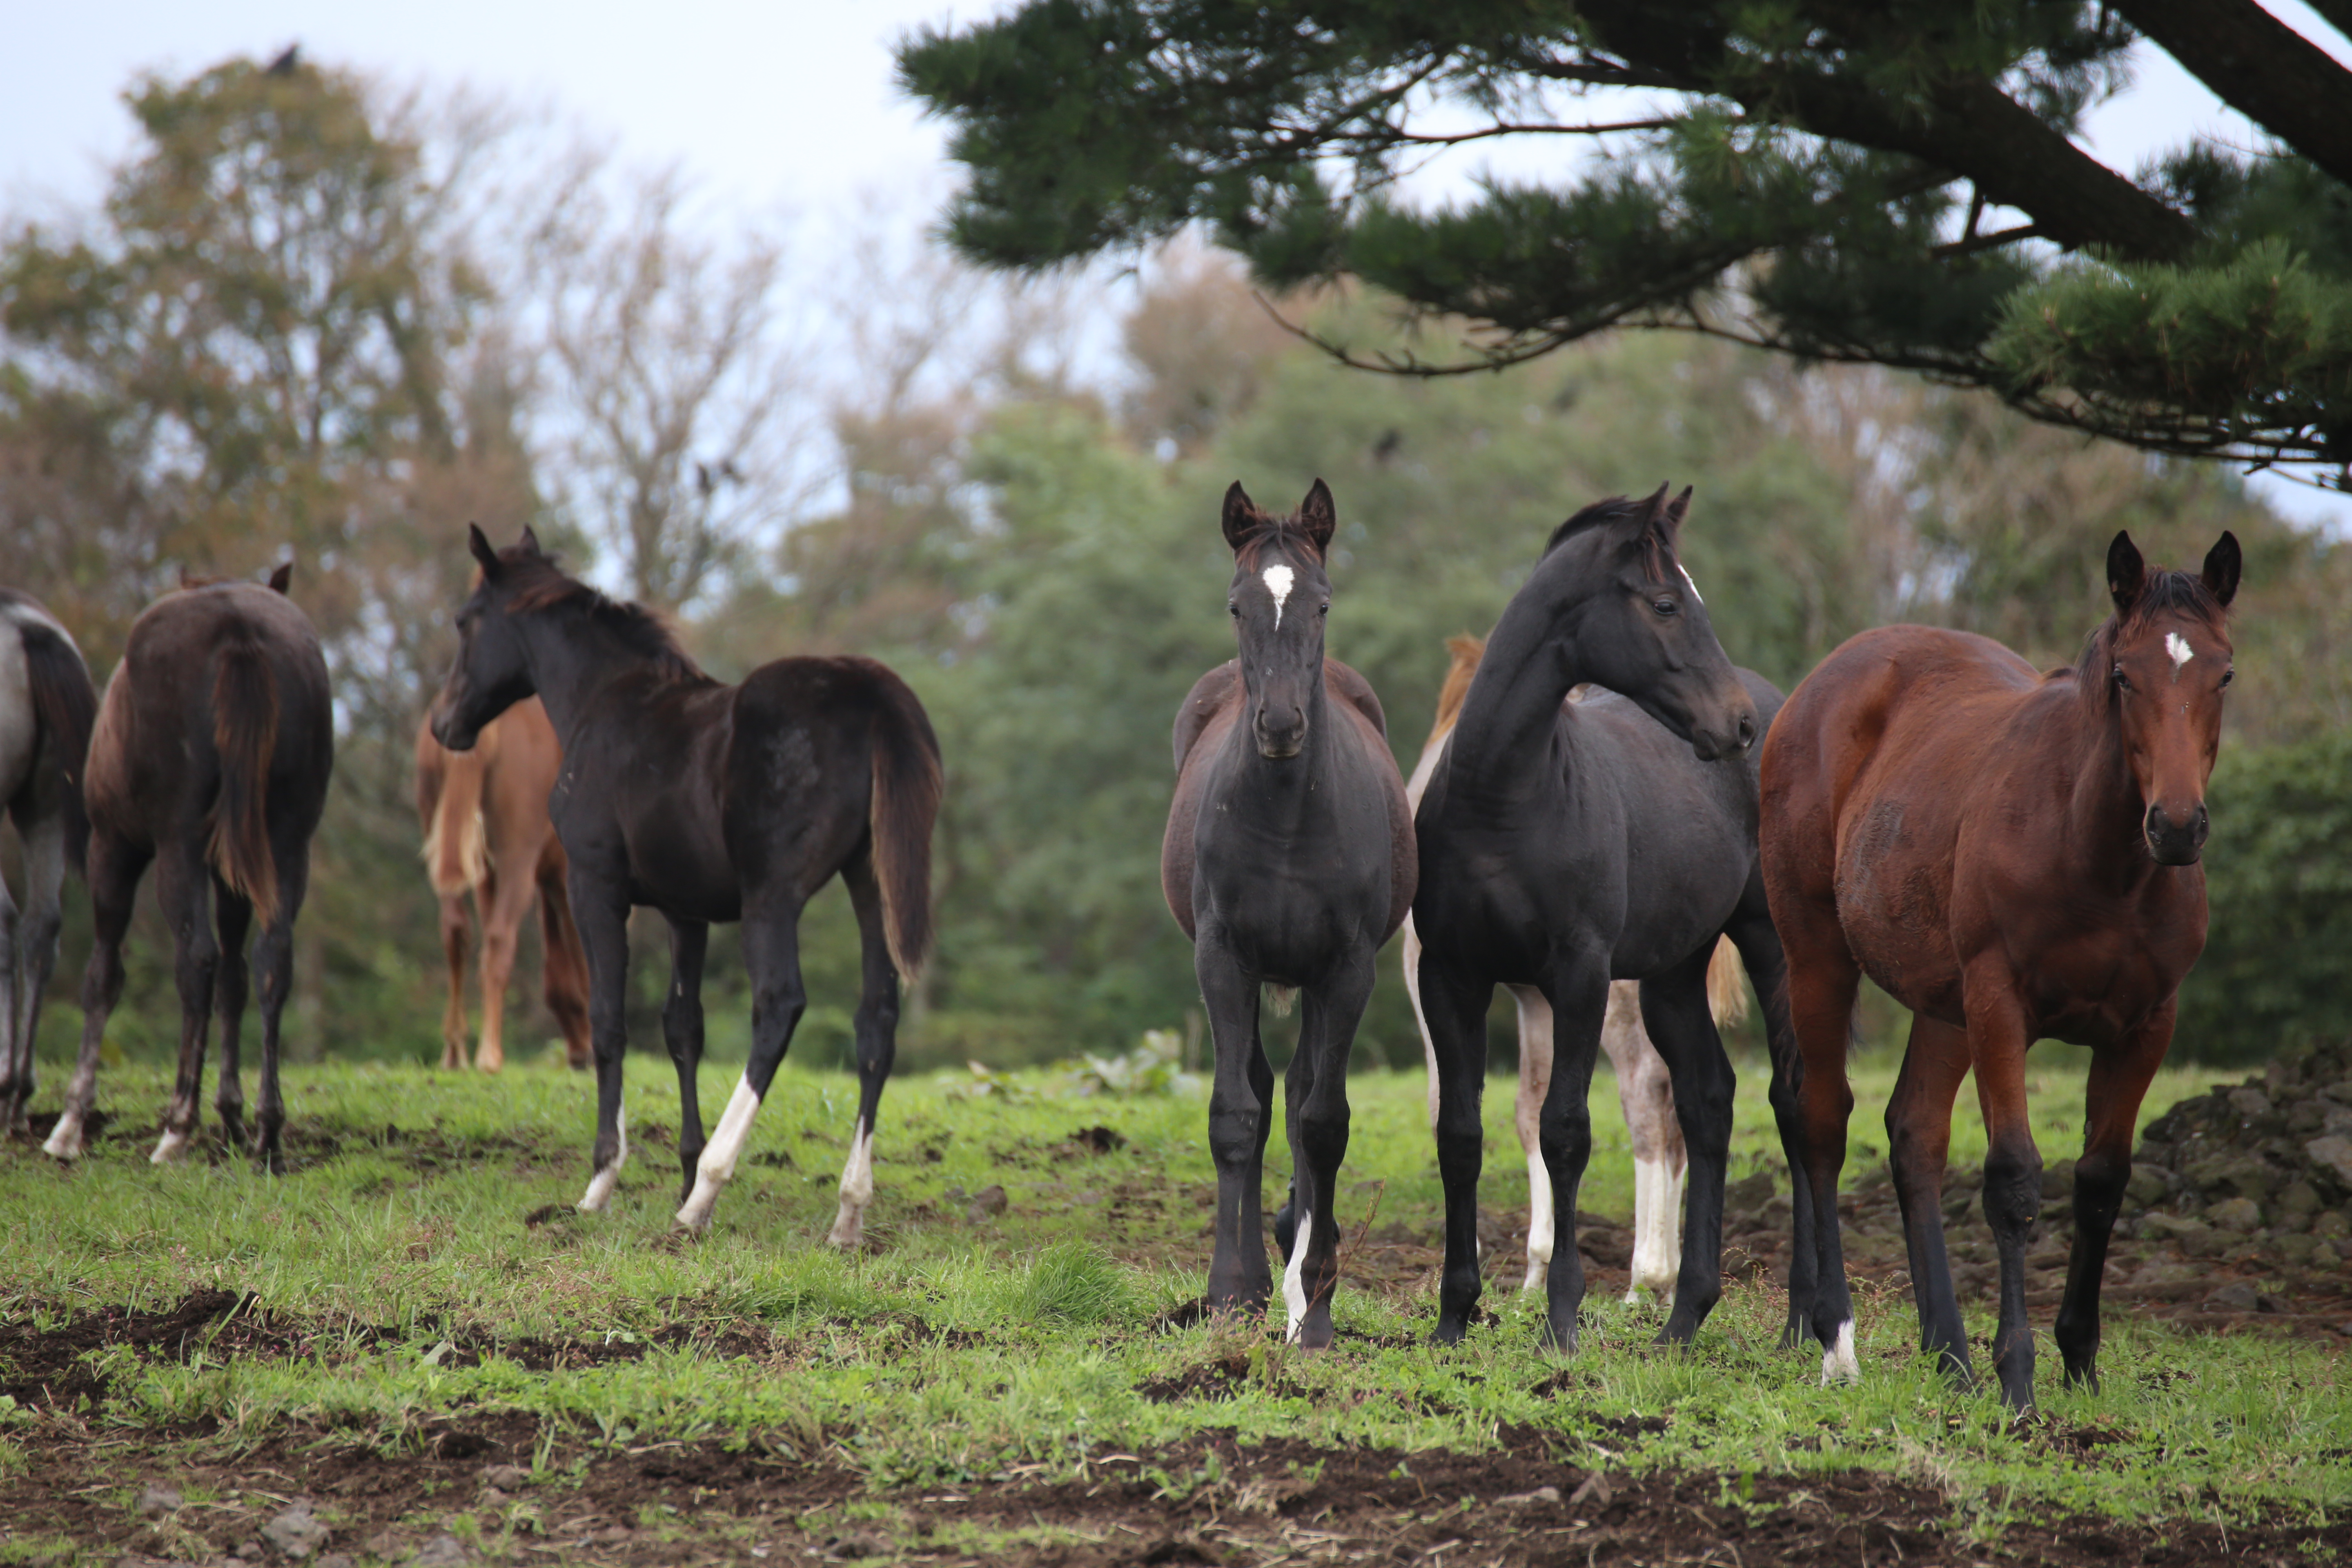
x: 1888, y: 184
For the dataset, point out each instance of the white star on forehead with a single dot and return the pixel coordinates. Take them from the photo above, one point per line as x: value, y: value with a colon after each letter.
x: 1693, y: 586
x: 1279, y: 580
x: 2177, y: 647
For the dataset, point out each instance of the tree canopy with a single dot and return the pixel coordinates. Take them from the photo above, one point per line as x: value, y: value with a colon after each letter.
x: 1893, y: 184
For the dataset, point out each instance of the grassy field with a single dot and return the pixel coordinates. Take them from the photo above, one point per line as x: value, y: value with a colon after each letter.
x: 398, y: 1297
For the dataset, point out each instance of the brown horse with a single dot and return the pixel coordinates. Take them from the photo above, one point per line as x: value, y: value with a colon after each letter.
x: 211, y: 757
x: 2011, y: 856
x: 488, y: 834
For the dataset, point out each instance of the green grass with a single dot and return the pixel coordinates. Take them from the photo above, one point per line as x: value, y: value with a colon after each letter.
x: 959, y: 1351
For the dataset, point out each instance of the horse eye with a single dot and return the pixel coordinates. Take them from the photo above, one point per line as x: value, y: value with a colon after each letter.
x: 1664, y: 607
x: 2228, y: 676
x: 1323, y: 609
x: 2123, y: 682
x: 1234, y: 611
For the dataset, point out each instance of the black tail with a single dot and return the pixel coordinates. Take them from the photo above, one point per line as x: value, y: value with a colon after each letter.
x: 908, y: 784
x: 65, y: 706
x: 245, y: 733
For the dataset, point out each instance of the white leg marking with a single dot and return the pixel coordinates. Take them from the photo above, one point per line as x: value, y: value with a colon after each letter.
x: 717, y: 1166
x: 856, y: 1190
x: 1527, y: 1116
x: 170, y: 1149
x: 1294, y: 1279
x: 601, y: 1185
x: 1278, y: 579
x: 1539, y: 1221
x: 1838, y: 1362
x: 65, y: 1138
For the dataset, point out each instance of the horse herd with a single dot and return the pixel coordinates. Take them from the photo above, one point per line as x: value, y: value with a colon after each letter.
x: 1606, y: 811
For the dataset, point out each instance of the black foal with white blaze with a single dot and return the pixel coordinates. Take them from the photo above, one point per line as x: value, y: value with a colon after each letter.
x: 1565, y: 845
x: 710, y: 803
x: 1288, y: 860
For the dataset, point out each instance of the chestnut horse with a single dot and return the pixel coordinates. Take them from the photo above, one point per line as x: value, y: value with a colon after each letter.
x: 1565, y: 845
x: 1289, y: 859
x: 46, y: 706
x: 2012, y: 856
x: 1644, y: 1092
x: 486, y: 834
x: 710, y: 803
x: 211, y: 757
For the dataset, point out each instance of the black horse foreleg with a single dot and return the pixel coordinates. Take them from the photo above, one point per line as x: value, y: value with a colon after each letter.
x: 273, y: 969
x: 1318, y: 1144
x: 2119, y: 1080
x: 1579, y: 1000
x: 113, y: 873
x: 181, y: 883
x: 1240, y: 1097
x: 233, y: 919
x: 1455, y: 1008
x: 877, y: 1024
x: 600, y: 907
x: 1674, y: 1011
x: 682, y: 1033
x: 771, y: 953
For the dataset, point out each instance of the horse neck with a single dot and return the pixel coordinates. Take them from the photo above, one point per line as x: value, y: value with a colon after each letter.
x: 2104, y: 810
x: 1501, y: 738
x: 571, y: 657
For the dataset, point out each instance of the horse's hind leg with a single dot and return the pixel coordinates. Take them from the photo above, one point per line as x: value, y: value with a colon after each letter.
x: 1456, y: 1007
x: 600, y: 904
x: 1822, y: 983
x: 1527, y: 1116
x: 1579, y: 999
x: 1918, y: 1138
x: 1682, y: 1028
x: 1760, y: 954
x: 689, y: 941
x: 182, y: 882
x: 1317, y: 1099
x: 2119, y: 1080
x: 563, y: 969
x: 36, y: 949
x: 456, y: 939
x: 771, y: 953
x: 1997, y: 1038
x: 876, y: 1025
x: 233, y: 917
x: 1646, y: 1092
x: 273, y: 969
x: 507, y: 894
x: 114, y: 869
x: 16, y: 1046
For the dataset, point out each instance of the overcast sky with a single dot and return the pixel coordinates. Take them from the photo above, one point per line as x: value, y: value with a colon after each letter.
x: 790, y: 104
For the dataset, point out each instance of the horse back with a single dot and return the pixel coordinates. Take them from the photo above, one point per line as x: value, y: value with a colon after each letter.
x: 47, y: 706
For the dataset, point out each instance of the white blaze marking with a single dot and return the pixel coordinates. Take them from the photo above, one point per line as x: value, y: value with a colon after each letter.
x: 1838, y: 1362
x: 65, y: 1138
x: 601, y: 1185
x: 1693, y: 586
x: 1294, y: 1279
x: 717, y: 1166
x: 1279, y: 580
x: 2177, y: 647
x: 856, y: 1189
x: 169, y: 1149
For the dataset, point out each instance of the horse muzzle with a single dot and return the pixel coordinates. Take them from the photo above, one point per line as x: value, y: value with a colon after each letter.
x: 2176, y: 841
x: 1732, y: 739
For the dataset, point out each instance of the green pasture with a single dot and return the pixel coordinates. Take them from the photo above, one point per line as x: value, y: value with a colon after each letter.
x: 957, y: 1348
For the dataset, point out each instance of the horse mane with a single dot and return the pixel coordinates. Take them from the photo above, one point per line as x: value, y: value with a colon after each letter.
x: 2163, y: 591
x: 1265, y: 529
x: 1615, y: 510
x: 536, y: 582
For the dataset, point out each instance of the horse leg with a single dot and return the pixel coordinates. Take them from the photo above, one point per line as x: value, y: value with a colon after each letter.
x: 1318, y: 1103
x: 233, y: 918
x: 1997, y: 1038
x: 1526, y: 1118
x: 1822, y: 983
x: 1580, y: 999
x: 1752, y: 932
x: 114, y: 870
x: 36, y: 958
x: 273, y: 971
x: 181, y: 883
x: 877, y: 1024
x: 1682, y: 1028
x: 682, y: 1033
x: 2119, y: 1080
x: 1456, y: 1007
x: 15, y: 1045
x: 456, y: 937
x: 1918, y: 1138
x: 505, y: 897
x: 600, y: 904
x: 1645, y: 1093
x: 563, y: 968
x: 771, y: 953
x: 1241, y: 1099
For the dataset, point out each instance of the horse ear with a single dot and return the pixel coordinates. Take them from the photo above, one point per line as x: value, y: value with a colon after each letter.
x: 530, y: 542
x: 479, y: 543
x: 2126, y: 572
x: 1241, y: 516
x: 281, y: 577
x: 1676, y: 510
x: 2222, y: 565
x: 1320, y: 517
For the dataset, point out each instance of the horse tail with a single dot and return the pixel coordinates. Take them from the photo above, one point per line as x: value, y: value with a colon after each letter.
x: 456, y: 852
x: 1727, y: 997
x: 64, y: 709
x: 1466, y: 653
x: 908, y: 784
x: 245, y: 734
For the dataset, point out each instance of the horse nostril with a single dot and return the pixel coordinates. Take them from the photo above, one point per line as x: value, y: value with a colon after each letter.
x: 1747, y: 730
x: 2156, y: 823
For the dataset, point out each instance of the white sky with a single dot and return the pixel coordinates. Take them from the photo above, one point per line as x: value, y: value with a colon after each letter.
x: 790, y: 104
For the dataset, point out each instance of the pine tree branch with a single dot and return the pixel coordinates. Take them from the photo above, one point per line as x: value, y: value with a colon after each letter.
x: 2263, y: 69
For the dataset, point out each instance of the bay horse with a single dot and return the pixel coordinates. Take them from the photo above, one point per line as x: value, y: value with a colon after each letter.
x: 2012, y: 856
x: 211, y: 755
x: 710, y: 801
x: 46, y: 707
x: 488, y: 835
x: 1288, y: 860
x: 1565, y: 845
x: 1644, y: 1092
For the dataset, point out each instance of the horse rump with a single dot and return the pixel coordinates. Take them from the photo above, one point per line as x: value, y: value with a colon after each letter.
x: 245, y: 735
x: 64, y: 708
x: 908, y: 784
